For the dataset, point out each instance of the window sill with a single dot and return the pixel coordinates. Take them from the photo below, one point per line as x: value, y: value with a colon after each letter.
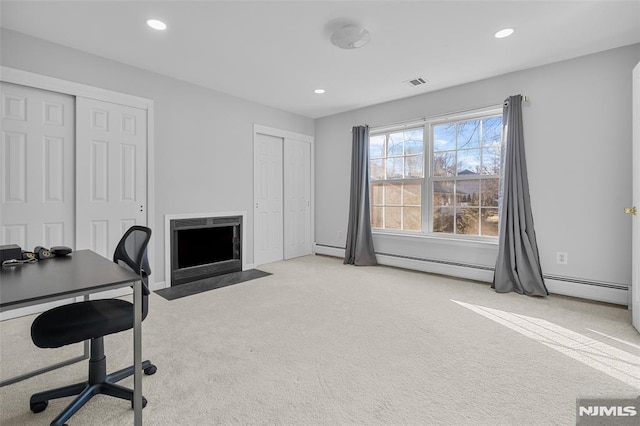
x: 438, y: 239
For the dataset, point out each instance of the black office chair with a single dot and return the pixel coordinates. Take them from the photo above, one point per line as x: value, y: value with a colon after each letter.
x: 93, y: 320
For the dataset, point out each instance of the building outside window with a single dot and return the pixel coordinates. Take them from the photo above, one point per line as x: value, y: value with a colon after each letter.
x: 438, y: 177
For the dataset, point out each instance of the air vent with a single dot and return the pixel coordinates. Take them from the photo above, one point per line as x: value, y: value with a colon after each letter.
x: 418, y: 81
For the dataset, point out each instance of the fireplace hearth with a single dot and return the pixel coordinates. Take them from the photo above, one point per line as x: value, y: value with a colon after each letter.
x: 205, y: 247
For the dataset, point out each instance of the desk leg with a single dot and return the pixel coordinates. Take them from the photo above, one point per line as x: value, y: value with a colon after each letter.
x: 137, y: 353
x: 87, y: 343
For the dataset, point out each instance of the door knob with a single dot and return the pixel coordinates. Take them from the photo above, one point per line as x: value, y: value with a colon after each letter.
x: 631, y: 210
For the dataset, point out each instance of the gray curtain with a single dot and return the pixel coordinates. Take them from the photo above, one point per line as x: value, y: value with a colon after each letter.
x: 518, y: 263
x: 359, y: 239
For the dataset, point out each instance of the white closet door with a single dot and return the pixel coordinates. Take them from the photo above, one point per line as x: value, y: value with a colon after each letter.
x: 37, y: 167
x: 111, y: 170
x: 297, y: 198
x: 268, y: 236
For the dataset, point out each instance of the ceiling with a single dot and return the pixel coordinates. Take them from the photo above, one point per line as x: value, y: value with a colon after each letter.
x: 277, y: 53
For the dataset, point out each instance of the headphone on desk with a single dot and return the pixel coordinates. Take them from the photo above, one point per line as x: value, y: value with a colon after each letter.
x: 41, y: 253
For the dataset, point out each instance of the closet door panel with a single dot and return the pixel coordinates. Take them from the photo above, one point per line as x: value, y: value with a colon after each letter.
x: 111, y: 171
x: 38, y: 131
x: 297, y: 198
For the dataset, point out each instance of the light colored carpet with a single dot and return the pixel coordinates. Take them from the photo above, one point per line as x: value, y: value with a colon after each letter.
x: 319, y: 342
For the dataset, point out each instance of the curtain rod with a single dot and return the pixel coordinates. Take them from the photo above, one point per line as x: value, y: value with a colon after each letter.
x: 525, y: 99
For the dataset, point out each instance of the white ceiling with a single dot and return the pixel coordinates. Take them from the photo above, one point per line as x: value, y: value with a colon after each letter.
x: 277, y: 53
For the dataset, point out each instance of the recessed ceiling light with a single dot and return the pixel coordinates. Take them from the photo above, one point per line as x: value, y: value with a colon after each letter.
x: 504, y: 33
x: 156, y: 25
x: 319, y: 91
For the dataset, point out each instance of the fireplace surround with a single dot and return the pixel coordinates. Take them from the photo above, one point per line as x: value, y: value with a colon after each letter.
x: 202, y: 246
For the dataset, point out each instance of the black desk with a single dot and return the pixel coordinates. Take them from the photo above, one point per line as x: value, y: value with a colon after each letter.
x: 80, y: 274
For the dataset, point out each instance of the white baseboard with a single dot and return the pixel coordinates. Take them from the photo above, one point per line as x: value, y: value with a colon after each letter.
x: 456, y: 271
x: 328, y: 250
x: 418, y: 265
x: 617, y: 296
x: 601, y: 292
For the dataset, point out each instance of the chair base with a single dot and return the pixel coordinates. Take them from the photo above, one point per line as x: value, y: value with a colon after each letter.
x: 87, y: 390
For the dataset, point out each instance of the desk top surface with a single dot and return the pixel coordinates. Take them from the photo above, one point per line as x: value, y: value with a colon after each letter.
x: 82, y: 272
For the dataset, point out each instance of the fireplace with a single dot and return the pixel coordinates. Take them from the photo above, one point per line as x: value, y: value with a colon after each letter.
x: 204, y: 247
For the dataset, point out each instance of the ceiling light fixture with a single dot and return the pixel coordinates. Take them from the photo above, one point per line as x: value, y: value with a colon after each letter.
x: 156, y: 25
x: 350, y: 37
x: 504, y: 33
x: 319, y: 91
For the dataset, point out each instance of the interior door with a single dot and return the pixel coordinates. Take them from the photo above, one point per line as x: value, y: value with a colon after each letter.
x: 635, y: 238
x: 268, y: 218
x: 111, y: 170
x: 37, y: 176
x: 297, y: 198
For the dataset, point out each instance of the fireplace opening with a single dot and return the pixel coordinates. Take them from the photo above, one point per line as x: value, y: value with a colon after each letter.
x: 205, y: 247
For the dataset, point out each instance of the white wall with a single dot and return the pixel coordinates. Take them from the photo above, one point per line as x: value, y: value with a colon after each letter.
x: 577, y: 130
x: 203, y: 138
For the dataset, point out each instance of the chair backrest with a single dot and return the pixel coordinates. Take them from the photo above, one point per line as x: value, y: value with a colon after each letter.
x: 131, y: 253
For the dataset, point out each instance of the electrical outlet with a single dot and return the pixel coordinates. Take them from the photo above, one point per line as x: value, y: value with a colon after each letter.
x: 562, y: 258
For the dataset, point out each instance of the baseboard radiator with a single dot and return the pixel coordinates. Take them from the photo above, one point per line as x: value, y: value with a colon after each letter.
x: 575, y: 287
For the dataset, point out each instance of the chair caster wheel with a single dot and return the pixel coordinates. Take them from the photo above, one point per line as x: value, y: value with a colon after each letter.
x: 150, y: 370
x: 144, y: 402
x: 38, y: 407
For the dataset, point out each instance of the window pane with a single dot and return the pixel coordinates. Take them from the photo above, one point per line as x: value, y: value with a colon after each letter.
x: 413, y: 166
x: 413, y: 143
x: 376, y: 193
x: 412, y: 194
x: 393, y: 217
x: 393, y: 194
x: 376, y: 169
x: 444, y: 137
x: 443, y: 193
x: 491, y: 161
x: 467, y: 221
x: 491, y: 131
x: 490, y: 222
x: 469, y: 134
x: 412, y: 218
x: 443, y: 220
x: 468, y: 162
x: 376, y: 217
x: 394, y: 168
x: 376, y: 146
x: 444, y: 163
x: 490, y: 192
x: 468, y: 192
x: 394, y: 145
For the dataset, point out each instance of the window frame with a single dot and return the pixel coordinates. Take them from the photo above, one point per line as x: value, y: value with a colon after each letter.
x: 405, y: 180
x: 427, y: 125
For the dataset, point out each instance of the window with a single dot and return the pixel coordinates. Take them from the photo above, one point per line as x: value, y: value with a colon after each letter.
x: 397, y: 179
x: 439, y: 177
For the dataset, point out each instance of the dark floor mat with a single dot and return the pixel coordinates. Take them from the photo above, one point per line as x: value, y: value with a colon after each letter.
x: 195, y: 287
